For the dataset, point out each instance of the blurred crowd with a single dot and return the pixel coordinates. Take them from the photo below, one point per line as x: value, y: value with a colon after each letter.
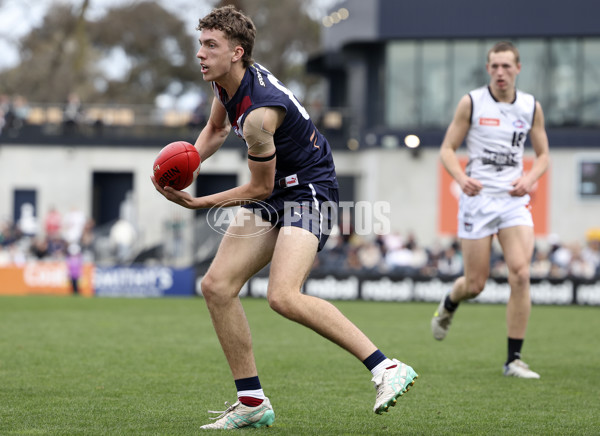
x: 56, y: 239
x: 60, y: 235
x: 402, y: 255
x: 72, y: 118
x: 15, y: 114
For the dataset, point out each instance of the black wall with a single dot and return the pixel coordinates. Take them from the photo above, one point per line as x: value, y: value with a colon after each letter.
x: 483, y: 19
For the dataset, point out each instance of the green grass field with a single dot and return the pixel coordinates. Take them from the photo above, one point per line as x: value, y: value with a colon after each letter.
x: 77, y: 366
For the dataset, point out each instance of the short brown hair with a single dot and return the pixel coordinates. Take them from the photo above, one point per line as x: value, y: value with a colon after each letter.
x: 504, y: 46
x: 238, y: 28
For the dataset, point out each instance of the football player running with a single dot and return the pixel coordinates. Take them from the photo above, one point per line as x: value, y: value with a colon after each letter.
x: 495, y: 121
x: 292, y: 190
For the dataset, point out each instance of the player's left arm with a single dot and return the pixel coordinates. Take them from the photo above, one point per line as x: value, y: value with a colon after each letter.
x: 539, y: 142
x: 215, y: 132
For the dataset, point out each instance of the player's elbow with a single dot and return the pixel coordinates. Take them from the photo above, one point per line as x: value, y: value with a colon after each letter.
x: 444, y: 151
x: 266, y: 191
x: 544, y: 158
x: 221, y: 131
x: 262, y: 191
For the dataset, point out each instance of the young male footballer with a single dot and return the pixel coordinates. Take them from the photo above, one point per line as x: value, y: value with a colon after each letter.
x: 290, y: 193
x: 495, y: 121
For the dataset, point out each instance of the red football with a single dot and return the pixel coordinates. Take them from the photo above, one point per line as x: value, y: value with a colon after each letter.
x: 177, y: 165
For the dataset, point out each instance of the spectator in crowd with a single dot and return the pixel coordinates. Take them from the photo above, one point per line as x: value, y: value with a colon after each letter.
x: 88, y: 237
x: 419, y: 254
x: 4, y: 103
x: 317, y: 113
x: 199, y: 116
x: 540, y: 265
x: 392, y: 241
x: 498, y: 268
x: 404, y: 256
x: 353, y: 263
x: 579, y: 266
x: 450, y: 262
x: 28, y: 224
x: 5, y: 259
x: 20, y: 108
x: 13, y: 114
x: 175, y: 229
x: 591, y: 250
x: 53, y: 222
x: 8, y: 232
x: 74, y: 266
x: 57, y: 246
x: 399, y: 260
x: 560, y: 254
x: 72, y: 114
x: 73, y: 225
x: 17, y: 252
x: 122, y: 239
x: 2, y: 120
x: 7, y: 115
x: 434, y: 253
x: 370, y: 257
x: 39, y: 248
x: 557, y: 272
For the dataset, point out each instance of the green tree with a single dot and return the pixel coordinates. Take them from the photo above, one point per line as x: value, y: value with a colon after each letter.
x: 69, y: 53
x: 159, y: 49
x: 140, y: 50
x: 286, y: 36
x: 49, y: 58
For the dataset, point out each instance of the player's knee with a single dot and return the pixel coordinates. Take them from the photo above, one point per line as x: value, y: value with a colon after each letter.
x: 211, y: 290
x: 520, y: 275
x: 277, y: 303
x: 475, y: 287
x: 281, y: 304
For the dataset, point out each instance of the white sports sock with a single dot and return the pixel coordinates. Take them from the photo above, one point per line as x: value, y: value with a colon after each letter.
x: 382, y: 366
x: 254, y: 393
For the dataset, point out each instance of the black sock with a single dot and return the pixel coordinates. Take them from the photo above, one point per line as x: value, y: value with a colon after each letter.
x: 514, y: 349
x: 449, y: 305
x: 374, y: 359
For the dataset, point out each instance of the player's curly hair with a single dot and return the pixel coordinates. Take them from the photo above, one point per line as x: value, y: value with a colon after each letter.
x: 238, y: 28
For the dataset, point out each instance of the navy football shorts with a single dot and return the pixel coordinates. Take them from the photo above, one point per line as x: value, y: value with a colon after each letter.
x: 313, y: 207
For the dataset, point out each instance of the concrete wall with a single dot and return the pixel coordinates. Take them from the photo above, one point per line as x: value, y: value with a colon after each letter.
x: 62, y: 177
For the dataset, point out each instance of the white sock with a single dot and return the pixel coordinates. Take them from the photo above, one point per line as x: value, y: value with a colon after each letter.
x: 254, y: 393
x: 382, y: 366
